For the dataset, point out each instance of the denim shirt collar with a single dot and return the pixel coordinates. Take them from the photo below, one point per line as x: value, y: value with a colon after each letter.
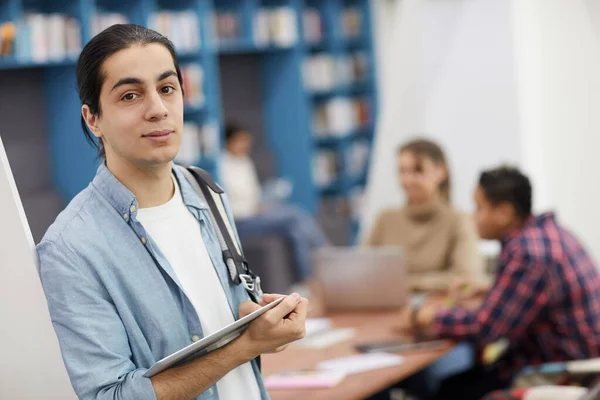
x: 125, y: 202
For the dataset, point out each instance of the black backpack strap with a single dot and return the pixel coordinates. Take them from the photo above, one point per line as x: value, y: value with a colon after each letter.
x: 230, y: 246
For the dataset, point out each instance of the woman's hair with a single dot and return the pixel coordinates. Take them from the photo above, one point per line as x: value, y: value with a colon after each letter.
x: 424, y: 148
x: 90, y: 75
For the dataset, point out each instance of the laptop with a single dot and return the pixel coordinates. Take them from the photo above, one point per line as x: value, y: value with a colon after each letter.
x: 31, y: 366
x: 361, y: 278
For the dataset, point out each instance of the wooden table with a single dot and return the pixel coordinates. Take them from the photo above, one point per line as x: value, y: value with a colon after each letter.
x: 368, y: 327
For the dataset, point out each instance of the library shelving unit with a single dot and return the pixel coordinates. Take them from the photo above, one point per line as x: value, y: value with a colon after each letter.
x: 317, y: 79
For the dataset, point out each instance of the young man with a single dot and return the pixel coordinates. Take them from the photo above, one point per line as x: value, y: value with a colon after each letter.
x: 132, y: 269
x: 243, y: 188
x: 545, y: 300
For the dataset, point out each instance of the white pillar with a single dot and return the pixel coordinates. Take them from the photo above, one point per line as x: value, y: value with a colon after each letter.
x: 558, y: 65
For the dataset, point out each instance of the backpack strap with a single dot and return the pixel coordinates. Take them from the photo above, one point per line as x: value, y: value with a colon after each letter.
x: 233, y: 256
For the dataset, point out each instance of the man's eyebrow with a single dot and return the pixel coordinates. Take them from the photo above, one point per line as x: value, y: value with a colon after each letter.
x: 166, y: 74
x: 138, y: 81
x: 127, y: 81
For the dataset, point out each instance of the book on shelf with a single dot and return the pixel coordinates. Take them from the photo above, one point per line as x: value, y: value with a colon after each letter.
x: 356, y: 203
x: 102, y: 20
x: 357, y: 158
x: 326, y: 167
x: 227, y: 26
x: 340, y: 116
x: 275, y: 26
x: 181, y: 27
x: 351, y: 22
x: 8, y: 32
x: 193, y: 85
x: 313, y: 26
x: 198, y: 142
x: 323, y: 71
x: 47, y: 37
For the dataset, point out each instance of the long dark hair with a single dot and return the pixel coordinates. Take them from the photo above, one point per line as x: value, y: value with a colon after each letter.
x: 90, y: 76
x: 425, y: 148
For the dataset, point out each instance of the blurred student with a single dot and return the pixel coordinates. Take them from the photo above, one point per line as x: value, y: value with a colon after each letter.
x: 545, y: 301
x: 439, y: 242
x: 254, y: 216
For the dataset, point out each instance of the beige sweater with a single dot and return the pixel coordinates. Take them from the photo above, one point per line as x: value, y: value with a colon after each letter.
x: 439, y: 243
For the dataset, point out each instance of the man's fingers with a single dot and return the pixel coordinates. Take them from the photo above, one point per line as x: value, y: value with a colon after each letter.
x: 246, y: 308
x: 284, y: 308
x: 300, y: 311
x: 269, y: 298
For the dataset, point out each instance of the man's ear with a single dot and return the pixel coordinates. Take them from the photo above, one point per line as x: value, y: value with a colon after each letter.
x: 507, y: 212
x: 91, y: 120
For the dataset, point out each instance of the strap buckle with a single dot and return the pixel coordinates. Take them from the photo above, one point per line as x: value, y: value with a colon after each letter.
x: 252, y: 285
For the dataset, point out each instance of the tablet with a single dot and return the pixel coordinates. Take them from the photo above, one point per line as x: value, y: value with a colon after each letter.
x: 210, y: 342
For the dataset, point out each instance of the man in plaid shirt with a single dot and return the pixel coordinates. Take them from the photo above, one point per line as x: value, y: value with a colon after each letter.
x: 545, y: 300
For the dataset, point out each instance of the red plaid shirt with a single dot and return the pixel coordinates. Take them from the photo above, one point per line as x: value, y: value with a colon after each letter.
x: 545, y: 301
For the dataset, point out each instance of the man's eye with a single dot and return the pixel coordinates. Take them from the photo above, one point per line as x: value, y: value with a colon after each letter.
x: 167, y: 89
x: 129, y: 96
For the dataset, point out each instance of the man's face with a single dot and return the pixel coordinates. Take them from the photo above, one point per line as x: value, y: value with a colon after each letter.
x: 141, y: 105
x: 492, y: 221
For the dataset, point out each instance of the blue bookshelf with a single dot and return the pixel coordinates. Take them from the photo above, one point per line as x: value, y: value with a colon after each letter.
x: 298, y: 31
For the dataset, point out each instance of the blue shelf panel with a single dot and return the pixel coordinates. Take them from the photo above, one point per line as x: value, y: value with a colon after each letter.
x: 208, y: 164
x: 11, y: 63
x: 334, y: 189
x: 334, y: 141
x: 346, y: 91
x: 244, y: 47
x: 194, y: 111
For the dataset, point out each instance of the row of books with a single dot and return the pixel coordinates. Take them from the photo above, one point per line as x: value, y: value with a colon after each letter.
x: 193, y: 85
x: 227, y: 26
x: 328, y: 164
x: 339, y: 116
x: 352, y: 21
x: 326, y: 167
x: 42, y: 37
x: 314, y: 29
x: 357, y: 158
x: 275, y: 26
x: 181, y: 27
x: 102, y: 20
x: 198, y: 142
x: 324, y: 72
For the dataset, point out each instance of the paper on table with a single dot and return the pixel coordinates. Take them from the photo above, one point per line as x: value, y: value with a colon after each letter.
x: 317, y: 325
x: 327, y: 338
x: 304, y: 380
x: 361, y: 363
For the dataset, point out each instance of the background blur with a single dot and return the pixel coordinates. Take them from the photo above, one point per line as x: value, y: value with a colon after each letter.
x: 329, y: 89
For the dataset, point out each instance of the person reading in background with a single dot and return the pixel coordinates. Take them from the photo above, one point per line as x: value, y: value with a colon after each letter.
x: 439, y: 242
x: 545, y: 299
x: 255, y: 217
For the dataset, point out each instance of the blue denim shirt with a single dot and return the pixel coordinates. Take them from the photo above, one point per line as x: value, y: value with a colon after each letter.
x: 115, y: 302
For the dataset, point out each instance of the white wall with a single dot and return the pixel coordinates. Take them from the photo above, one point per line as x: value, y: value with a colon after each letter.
x: 449, y: 73
x: 559, y: 62
x: 496, y: 81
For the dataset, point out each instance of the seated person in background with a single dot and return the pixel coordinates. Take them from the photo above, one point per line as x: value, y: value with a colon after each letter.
x: 545, y: 301
x: 241, y: 183
x: 439, y: 242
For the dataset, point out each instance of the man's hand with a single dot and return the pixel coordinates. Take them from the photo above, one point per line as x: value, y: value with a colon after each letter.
x: 275, y: 329
x: 462, y: 289
x: 424, y: 318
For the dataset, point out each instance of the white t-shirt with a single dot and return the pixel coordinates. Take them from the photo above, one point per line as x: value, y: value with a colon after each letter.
x: 240, y: 181
x: 177, y: 233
